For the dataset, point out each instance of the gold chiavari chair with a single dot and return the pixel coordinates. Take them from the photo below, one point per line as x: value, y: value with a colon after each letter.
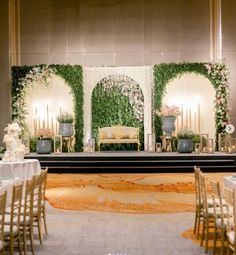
x: 26, y: 221
x: 199, y: 202
x: 229, y: 197
x: 12, y: 227
x: 220, y: 216
x: 37, y: 205
x: 208, y: 213
x: 2, y: 220
x: 44, y: 174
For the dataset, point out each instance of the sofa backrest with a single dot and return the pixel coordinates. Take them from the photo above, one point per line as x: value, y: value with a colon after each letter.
x: 118, y: 132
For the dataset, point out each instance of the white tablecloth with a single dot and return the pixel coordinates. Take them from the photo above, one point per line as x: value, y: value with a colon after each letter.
x: 7, y: 185
x: 230, y: 182
x: 24, y: 170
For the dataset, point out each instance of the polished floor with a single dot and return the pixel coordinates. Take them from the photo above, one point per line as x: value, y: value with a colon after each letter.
x: 104, y: 233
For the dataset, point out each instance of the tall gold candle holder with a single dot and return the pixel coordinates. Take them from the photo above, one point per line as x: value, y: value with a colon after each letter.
x: 197, y: 148
x: 151, y: 143
x: 222, y: 142
x: 233, y: 142
x: 57, y: 144
x: 228, y: 143
x: 158, y: 147
x: 210, y: 145
x: 203, y: 142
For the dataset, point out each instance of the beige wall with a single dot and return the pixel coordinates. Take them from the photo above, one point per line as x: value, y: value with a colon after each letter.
x: 229, y: 48
x: 4, y: 68
x: 115, y: 32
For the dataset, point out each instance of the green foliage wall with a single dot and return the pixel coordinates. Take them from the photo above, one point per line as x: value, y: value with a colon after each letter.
x: 73, y: 76
x: 164, y: 73
x: 109, y: 108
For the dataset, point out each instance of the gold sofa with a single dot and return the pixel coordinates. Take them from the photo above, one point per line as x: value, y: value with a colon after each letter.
x: 118, y: 134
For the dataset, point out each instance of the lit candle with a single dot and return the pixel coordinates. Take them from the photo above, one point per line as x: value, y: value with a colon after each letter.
x: 39, y: 126
x: 35, y: 128
x: 52, y: 124
x: 199, y: 118
x: 43, y: 124
x: 195, y: 122
x: 187, y: 118
x: 47, y: 116
x: 190, y: 118
x: 60, y: 110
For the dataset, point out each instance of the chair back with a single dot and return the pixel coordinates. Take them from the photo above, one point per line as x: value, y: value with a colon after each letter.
x: 197, y: 173
x: 37, y: 192
x: 217, y: 201
x: 44, y: 174
x: 229, y: 198
x: 3, y: 197
x: 204, y: 193
x: 29, y: 201
x: 16, y: 206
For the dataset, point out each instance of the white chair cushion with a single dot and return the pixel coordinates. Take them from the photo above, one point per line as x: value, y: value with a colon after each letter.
x: 231, y: 236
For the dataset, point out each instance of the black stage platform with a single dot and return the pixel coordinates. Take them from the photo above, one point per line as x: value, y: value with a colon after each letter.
x: 135, y: 162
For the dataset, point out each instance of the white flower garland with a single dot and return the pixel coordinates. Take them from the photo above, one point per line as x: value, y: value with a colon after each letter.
x: 37, y: 75
x: 129, y: 88
x: 219, y: 73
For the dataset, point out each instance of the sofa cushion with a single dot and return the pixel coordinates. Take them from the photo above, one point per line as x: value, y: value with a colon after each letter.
x: 118, y: 132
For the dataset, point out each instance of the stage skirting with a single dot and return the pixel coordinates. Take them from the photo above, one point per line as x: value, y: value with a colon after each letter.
x: 135, y: 162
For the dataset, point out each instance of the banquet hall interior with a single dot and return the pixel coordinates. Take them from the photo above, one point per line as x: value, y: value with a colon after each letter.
x: 117, y: 127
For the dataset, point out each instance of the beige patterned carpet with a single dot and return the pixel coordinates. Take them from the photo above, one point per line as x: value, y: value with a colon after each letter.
x: 128, y: 193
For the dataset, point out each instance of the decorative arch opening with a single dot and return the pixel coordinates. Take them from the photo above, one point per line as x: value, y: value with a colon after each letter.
x: 217, y: 74
x: 118, y: 100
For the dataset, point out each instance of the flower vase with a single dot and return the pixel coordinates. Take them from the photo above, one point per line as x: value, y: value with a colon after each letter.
x: 168, y: 125
x: 44, y: 146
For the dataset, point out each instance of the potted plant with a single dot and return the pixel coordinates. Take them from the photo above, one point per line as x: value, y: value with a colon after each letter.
x: 65, y: 124
x: 168, y: 114
x: 185, y: 141
x: 44, y: 142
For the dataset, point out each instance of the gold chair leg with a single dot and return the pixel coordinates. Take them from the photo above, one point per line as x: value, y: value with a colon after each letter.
x: 44, y: 221
x: 39, y: 230
x: 31, y: 241
x: 19, y: 244
x: 203, y: 233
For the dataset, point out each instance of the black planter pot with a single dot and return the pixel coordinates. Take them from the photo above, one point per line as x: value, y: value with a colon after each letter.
x: 185, y: 146
x: 44, y: 147
x: 66, y: 129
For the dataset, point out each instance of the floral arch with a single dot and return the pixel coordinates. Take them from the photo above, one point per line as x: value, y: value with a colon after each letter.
x: 217, y: 73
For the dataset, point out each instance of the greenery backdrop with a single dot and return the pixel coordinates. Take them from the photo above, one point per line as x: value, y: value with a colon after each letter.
x: 111, y: 105
x: 217, y: 74
x: 24, y: 76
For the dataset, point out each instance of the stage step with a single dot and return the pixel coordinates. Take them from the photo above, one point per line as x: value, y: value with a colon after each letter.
x: 135, y: 162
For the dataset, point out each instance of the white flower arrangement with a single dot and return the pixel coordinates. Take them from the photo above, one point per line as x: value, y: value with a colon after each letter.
x: 219, y: 73
x: 129, y: 88
x: 37, y: 75
x: 15, y: 150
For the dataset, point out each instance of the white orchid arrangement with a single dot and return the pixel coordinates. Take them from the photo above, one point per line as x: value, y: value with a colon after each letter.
x: 129, y: 88
x: 219, y: 73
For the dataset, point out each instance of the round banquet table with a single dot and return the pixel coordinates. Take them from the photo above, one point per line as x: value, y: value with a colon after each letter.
x: 24, y: 170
